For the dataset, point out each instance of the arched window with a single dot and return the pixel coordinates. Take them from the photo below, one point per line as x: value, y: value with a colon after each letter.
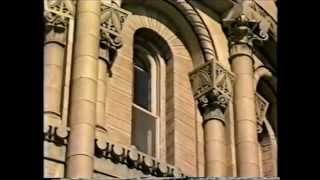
x: 148, y: 110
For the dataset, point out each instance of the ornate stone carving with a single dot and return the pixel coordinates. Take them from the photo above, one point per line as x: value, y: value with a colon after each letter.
x: 267, y: 18
x: 60, y: 7
x: 261, y: 111
x: 134, y: 159
x: 57, y: 14
x: 56, y: 134
x: 112, y: 21
x: 212, y: 87
x: 209, y: 76
x: 212, y: 106
x: 244, y: 25
x: 55, y: 28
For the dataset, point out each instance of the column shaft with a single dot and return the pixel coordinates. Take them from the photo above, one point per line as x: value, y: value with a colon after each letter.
x: 215, y: 149
x: 53, y: 77
x: 245, y: 113
x: 80, y: 156
x: 101, y: 128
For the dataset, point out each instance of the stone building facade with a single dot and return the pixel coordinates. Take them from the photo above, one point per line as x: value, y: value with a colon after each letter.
x: 160, y: 88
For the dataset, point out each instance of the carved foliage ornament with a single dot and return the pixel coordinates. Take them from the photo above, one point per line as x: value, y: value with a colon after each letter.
x: 112, y: 22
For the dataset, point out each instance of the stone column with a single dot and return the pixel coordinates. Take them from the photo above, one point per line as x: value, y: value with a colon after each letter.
x: 101, y: 129
x: 212, y: 102
x: 212, y: 110
x: 80, y: 155
x: 245, y: 113
x: 241, y: 35
x: 54, y: 57
x: 244, y: 26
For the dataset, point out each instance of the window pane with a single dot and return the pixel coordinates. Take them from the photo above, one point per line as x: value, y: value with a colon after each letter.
x: 142, y: 87
x: 143, y: 128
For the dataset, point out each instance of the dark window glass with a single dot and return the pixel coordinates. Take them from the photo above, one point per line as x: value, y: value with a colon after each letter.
x: 142, y: 84
x: 143, y: 127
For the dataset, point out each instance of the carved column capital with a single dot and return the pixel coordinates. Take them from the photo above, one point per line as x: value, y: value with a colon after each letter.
x: 57, y: 14
x: 112, y: 21
x: 244, y: 25
x: 55, y: 28
x: 212, y: 106
x: 212, y: 88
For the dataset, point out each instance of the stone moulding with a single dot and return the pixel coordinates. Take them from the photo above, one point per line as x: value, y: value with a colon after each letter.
x: 199, y: 27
